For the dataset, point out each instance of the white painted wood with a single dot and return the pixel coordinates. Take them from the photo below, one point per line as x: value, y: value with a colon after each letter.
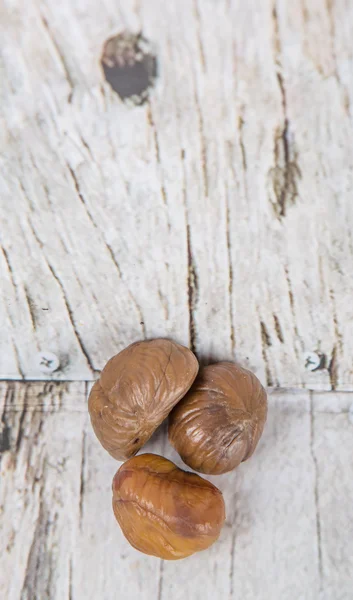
x: 288, y: 532
x: 58, y: 536
x: 40, y: 490
x: 219, y: 213
x: 269, y: 548
x: 332, y: 451
x: 105, y: 565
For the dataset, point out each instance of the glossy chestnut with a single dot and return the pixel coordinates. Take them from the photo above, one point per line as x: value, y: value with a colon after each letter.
x: 165, y: 511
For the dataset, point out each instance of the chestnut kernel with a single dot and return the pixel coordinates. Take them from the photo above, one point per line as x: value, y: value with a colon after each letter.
x: 219, y: 422
x: 136, y: 391
x: 165, y: 511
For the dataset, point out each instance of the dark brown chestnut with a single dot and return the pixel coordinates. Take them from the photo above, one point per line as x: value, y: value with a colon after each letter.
x: 219, y: 422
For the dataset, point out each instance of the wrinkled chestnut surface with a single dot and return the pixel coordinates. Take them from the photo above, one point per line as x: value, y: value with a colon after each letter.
x: 219, y: 422
x: 136, y: 391
x: 165, y: 511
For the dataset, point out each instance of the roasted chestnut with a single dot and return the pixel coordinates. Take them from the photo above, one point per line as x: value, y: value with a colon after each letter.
x: 136, y: 391
x: 165, y: 511
x: 219, y: 422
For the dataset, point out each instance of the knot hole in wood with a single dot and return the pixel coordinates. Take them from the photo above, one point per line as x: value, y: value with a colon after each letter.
x: 130, y: 66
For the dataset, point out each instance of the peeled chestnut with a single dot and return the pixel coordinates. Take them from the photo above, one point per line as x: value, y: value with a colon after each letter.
x: 219, y: 422
x: 165, y: 511
x: 136, y: 391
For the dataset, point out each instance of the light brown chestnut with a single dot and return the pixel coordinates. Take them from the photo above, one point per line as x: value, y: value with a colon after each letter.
x: 165, y: 511
x: 136, y: 391
x: 219, y: 422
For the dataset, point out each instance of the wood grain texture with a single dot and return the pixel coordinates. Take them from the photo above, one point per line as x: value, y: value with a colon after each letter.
x: 288, y: 532
x: 332, y: 447
x: 219, y: 212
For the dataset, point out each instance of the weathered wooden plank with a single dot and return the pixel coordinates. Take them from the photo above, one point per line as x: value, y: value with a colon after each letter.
x: 332, y: 452
x: 271, y: 519
x: 59, y: 539
x: 218, y: 212
x: 39, y: 491
x: 104, y: 564
x: 276, y: 546
x: 288, y: 532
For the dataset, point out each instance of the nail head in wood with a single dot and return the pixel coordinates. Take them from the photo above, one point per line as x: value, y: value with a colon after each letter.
x: 47, y: 362
x: 312, y: 361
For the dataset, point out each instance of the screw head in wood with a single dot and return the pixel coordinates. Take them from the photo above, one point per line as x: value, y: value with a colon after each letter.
x: 312, y: 361
x: 47, y: 362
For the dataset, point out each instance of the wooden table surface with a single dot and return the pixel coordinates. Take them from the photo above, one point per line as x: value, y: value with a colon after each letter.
x: 192, y: 178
